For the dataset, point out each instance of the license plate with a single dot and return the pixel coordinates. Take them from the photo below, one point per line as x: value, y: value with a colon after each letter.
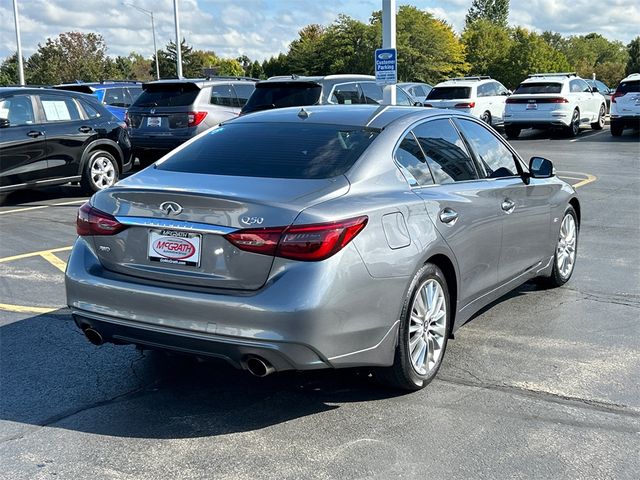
x: 154, y: 121
x: 532, y: 106
x: 175, y: 247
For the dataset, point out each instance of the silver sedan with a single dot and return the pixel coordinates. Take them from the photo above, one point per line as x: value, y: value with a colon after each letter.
x: 320, y: 237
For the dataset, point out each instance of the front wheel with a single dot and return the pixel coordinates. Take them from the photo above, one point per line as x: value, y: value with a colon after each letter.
x: 511, y: 131
x: 599, y: 123
x: 564, y: 259
x: 423, y: 332
x: 100, y: 172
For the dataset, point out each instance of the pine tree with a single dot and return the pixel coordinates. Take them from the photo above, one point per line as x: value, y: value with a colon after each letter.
x: 496, y: 11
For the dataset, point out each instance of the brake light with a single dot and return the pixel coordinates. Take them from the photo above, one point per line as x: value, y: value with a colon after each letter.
x: 616, y: 95
x: 537, y: 100
x: 196, y: 118
x: 555, y: 100
x: 91, y: 221
x: 299, y: 242
x: 465, y: 105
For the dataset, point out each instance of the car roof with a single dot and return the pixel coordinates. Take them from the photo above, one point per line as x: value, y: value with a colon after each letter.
x: 32, y: 89
x: 317, y: 78
x: 631, y: 76
x: 551, y: 77
x: 373, y: 116
x: 201, y: 82
x: 465, y: 81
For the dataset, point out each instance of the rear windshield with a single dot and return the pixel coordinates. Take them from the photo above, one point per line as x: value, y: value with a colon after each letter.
x: 629, y: 87
x: 274, y: 150
x: 278, y: 95
x: 167, y: 95
x: 449, y: 93
x: 532, y: 88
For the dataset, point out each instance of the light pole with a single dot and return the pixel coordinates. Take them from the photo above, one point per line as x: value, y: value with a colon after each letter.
x: 19, y: 53
x: 178, y: 42
x: 389, y: 41
x: 153, y: 29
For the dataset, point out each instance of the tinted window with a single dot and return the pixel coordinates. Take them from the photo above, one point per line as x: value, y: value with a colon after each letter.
x: 577, y: 86
x: 449, y: 93
x: 532, y: 88
x: 91, y: 111
x: 59, y: 109
x: 168, y: 95
x: 116, y: 97
x: 496, y: 159
x: 243, y: 92
x: 18, y: 110
x: 346, y: 94
x: 445, y: 152
x: 485, y: 90
x: 372, y: 92
x: 275, y: 150
x: 412, y: 163
x: 629, y: 86
x: 223, y: 95
x: 134, y: 93
x: 282, y: 94
x: 402, y: 98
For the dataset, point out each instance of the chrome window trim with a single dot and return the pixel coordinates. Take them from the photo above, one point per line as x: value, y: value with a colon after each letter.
x: 182, y: 225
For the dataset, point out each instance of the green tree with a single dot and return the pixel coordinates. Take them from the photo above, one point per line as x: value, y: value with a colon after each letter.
x: 9, y: 70
x: 276, y: 66
x: 256, y: 70
x: 229, y: 67
x: 487, y: 46
x: 346, y: 46
x: 305, y: 56
x: 496, y: 11
x: 192, y: 61
x: 593, y: 53
x: 633, y: 50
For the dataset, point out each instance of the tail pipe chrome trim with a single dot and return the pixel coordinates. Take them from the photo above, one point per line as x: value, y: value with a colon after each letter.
x: 93, y: 336
x: 259, y: 367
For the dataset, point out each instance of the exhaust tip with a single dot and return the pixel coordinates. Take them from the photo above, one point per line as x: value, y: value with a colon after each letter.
x: 259, y: 367
x: 93, y: 336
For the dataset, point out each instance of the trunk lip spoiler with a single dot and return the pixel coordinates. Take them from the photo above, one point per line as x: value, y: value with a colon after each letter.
x: 170, y: 224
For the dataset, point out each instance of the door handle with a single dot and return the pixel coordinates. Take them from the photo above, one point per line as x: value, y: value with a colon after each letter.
x: 85, y: 129
x: 508, y: 205
x: 449, y: 216
x: 35, y: 133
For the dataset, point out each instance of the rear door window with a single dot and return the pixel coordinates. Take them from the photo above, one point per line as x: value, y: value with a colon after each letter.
x: 372, y: 93
x: 18, y: 109
x: 445, y: 152
x: 449, y: 93
x: 274, y: 150
x: 59, y: 109
x: 168, y: 95
x: 90, y: 110
x: 347, y: 94
x: 223, y: 95
x: 243, y: 92
x: 402, y: 98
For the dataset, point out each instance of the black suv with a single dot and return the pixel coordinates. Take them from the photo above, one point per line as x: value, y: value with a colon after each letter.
x: 170, y: 112
x: 52, y: 137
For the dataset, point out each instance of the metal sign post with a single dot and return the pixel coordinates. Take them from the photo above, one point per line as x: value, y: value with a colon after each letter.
x: 389, y: 43
x: 178, y: 41
x: 18, y: 43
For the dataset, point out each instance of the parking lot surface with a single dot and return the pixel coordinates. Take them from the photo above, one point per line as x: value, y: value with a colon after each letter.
x: 544, y: 384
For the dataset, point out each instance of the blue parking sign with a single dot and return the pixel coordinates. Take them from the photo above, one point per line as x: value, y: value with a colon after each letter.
x: 386, y: 62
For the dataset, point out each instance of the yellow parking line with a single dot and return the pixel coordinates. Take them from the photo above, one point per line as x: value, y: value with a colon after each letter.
x: 589, y: 179
x: 39, y: 207
x: 55, y: 261
x: 22, y: 309
x: 34, y: 254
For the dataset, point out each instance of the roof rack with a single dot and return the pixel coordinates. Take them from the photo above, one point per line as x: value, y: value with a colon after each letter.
x: 16, y: 85
x: 557, y: 74
x: 119, y: 81
x: 222, y: 77
x: 476, y: 78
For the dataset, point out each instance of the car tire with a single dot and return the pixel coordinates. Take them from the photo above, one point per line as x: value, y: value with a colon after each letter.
x: 101, y: 171
x: 422, y: 336
x: 573, y: 130
x: 486, y: 117
x: 566, y: 249
x: 599, y: 123
x: 616, y: 129
x: 512, y: 132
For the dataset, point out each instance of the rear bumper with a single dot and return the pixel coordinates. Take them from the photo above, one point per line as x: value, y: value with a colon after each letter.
x: 157, y: 143
x: 538, y: 119
x: 309, y: 315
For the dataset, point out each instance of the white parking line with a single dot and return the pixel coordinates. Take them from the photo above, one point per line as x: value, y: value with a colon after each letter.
x: 587, y: 135
x: 39, y: 207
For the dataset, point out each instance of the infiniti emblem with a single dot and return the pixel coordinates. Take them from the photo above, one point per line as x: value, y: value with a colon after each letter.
x: 171, y: 208
x: 152, y: 111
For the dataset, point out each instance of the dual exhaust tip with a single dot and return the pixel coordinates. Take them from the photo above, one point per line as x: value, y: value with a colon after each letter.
x: 255, y: 365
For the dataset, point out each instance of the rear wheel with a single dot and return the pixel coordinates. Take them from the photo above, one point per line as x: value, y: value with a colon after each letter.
x: 511, y: 131
x: 486, y: 118
x: 573, y: 130
x: 564, y: 259
x: 599, y: 123
x: 616, y: 129
x: 100, y: 172
x: 423, y: 332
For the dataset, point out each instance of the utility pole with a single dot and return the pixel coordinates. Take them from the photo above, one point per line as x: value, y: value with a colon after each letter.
x: 178, y: 41
x: 153, y: 29
x: 389, y: 41
x: 18, y: 43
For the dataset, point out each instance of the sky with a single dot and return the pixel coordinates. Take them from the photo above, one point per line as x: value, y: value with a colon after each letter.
x: 262, y: 28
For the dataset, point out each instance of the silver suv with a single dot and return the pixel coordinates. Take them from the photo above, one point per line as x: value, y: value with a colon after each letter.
x: 170, y: 112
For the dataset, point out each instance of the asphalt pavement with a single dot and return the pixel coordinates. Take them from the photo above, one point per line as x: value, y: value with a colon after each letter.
x: 543, y: 384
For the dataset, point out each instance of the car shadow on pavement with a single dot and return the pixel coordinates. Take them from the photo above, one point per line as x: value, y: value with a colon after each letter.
x: 50, y: 375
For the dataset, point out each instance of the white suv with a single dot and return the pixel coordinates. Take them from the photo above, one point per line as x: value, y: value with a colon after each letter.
x: 548, y: 100
x: 625, y: 105
x: 482, y: 97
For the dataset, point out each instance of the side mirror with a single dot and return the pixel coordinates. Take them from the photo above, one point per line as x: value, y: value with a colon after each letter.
x: 4, y: 122
x: 418, y: 104
x: 506, y: 93
x: 595, y: 89
x: 541, y: 168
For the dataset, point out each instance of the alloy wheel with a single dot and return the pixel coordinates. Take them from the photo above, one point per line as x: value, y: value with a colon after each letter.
x: 103, y: 172
x: 566, y: 249
x: 575, y: 123
x: 427, y: 326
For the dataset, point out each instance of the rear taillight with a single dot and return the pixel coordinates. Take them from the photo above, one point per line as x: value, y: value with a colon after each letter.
x: 616, y: 95
x: 538, y: 100
x: 465, y: 105
x: 299, y: 242
x: 92, y: 221
x: 196, y: 118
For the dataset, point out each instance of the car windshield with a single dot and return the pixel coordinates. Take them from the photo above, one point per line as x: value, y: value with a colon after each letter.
x: 629, y: 87
x: 282, y: 94
x: 275, y: 150
x: 167, y: 95
x: 541, y: 87
x: 449, y: 93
